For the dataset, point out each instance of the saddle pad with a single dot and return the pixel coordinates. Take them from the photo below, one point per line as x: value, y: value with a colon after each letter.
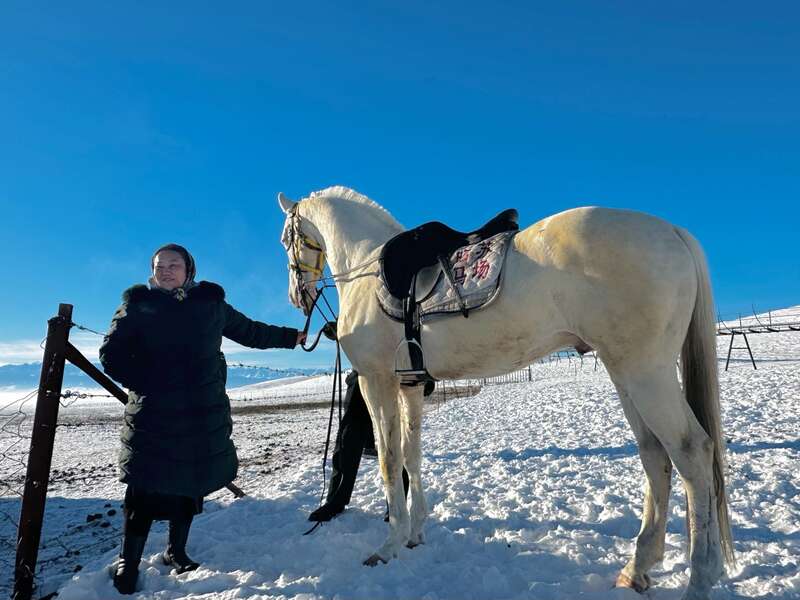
x: 477, y: 270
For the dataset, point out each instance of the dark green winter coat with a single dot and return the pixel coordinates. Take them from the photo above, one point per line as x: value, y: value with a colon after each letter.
x: 176, y: 434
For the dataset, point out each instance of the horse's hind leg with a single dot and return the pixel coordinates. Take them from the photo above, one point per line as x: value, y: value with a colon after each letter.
x: 412, y: 403
x: 657, y: 397
x: 658, y: 470
x: 380, y: 394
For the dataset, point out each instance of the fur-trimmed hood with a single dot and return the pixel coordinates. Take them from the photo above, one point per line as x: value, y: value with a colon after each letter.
x: 204, y: 290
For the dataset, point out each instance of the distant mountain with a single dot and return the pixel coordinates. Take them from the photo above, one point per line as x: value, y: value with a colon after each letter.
x: 27, y: 375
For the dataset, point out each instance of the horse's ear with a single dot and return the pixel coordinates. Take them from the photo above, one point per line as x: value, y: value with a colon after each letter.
x: 285, y: 203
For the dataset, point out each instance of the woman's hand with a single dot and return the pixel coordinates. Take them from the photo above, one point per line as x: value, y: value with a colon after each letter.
x: 301, y: 337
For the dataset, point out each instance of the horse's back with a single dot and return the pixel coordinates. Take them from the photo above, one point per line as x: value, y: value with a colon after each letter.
x: 590, y: 237
x: 614, y: 273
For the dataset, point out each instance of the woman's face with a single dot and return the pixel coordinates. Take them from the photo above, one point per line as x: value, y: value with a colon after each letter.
x: 169, y: 270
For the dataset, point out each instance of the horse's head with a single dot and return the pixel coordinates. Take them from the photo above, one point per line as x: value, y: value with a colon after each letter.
x: 306, y: 255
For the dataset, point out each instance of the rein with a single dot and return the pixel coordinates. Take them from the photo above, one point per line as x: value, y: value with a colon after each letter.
x: 339, y: 277
x: 337, y: 386
x: 329, y: 329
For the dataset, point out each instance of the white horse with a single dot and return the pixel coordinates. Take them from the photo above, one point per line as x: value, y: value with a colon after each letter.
x: 630, y: 285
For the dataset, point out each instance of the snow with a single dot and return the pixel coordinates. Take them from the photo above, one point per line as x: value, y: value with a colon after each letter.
x: 286, y: 382
x: 534, y: 490
x: 308, y: 389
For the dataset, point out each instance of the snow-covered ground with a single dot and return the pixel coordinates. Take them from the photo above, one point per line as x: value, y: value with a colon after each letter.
x: 288, y: 390
x: 534, y: 490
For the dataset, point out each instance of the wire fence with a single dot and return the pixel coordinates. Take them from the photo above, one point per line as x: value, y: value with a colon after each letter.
x: 568, y: 359
x: 295, y: 393
x: 14, y: 445
x: 771, y: 321
x: 55, y: 549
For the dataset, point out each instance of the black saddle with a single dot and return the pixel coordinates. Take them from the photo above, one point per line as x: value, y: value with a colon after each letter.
x: 408, y: 252
x: 411, y: 264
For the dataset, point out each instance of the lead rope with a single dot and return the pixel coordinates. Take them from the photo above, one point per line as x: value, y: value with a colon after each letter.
x: 337, y: 379
x: 329, y: 329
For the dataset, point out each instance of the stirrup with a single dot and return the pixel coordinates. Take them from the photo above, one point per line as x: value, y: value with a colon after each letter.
x: 415, y: 375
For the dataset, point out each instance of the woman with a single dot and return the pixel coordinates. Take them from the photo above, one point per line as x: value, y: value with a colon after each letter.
x: 164, y: 346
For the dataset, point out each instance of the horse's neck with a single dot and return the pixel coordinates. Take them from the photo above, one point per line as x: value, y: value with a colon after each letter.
x: 351, y: 232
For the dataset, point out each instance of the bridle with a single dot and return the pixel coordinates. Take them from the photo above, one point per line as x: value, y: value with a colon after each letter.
x: 296, y: 242
x: 298, y: 246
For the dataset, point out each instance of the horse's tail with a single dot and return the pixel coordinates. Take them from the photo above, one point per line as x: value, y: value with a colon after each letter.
x: 701, y: 381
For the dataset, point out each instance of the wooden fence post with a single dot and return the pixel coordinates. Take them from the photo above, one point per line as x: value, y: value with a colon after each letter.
x: 41, y: 452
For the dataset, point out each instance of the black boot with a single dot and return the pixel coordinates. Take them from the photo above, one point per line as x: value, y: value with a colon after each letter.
x: 326, y: 512
x: 175, y: 554
x: 127, y: 571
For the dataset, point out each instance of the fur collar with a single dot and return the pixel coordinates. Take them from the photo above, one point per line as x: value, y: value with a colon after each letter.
x: 204, y: 290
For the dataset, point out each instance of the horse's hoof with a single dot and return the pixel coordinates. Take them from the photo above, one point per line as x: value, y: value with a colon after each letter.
x: 411, y: 545
x: 625, y: 581
x: 373, y: 560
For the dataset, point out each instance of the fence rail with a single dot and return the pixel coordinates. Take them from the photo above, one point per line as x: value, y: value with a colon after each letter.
x: 781, y: 322
x: 755, y: 324
x: 723, y: 329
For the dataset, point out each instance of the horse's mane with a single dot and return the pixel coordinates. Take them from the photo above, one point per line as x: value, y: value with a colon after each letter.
x: 345, y: 193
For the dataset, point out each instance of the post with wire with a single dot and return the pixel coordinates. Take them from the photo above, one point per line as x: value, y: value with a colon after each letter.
x: 37, y: 476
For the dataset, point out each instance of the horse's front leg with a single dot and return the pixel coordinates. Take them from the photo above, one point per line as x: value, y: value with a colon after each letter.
x: 412, y: 405
x: 381, y: 396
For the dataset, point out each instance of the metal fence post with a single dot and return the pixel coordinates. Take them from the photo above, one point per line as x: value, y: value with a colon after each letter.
x: 41, y: 452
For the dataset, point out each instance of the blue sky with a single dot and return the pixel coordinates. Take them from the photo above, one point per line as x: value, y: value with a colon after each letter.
x: 127, y: 125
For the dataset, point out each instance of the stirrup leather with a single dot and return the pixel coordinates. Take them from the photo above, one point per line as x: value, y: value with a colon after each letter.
x: 415, y: 373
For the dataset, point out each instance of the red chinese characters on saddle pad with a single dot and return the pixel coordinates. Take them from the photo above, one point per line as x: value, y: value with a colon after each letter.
x: 476, y: 273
